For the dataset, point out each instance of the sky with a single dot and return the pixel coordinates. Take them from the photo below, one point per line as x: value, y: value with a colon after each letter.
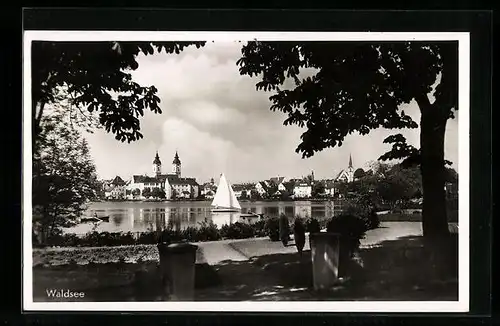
x: 219, y: 123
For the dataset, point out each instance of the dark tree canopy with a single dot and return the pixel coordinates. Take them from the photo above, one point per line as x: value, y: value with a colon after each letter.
x: 361, y: 86
x: 359, y: 173
x: 97, y: 77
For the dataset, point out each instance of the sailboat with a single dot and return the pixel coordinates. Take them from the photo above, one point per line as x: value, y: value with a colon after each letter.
x: 225, y: 200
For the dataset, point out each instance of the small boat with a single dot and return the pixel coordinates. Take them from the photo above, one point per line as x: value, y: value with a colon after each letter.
x: 249, y: 215
x: 90, y: 219
x: 225, y: 200
x: 94, y: 219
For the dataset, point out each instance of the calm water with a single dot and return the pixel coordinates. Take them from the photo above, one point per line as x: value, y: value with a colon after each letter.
x: 154, y: 216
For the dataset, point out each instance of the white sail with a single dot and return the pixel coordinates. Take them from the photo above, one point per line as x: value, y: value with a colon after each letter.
x: 225, y: 197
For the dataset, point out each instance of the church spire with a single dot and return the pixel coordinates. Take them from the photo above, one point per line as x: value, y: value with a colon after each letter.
x: 350, y: 161
x: 176, y: 165
x: 157, y: 159
x: 157, y: 165
x: 176, y: 159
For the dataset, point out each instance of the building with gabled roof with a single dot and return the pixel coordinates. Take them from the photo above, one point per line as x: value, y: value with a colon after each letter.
x: 346, y: 175
x: 172, y: 183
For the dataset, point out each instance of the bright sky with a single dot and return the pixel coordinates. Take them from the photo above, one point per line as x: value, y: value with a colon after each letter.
x: 219, y: 123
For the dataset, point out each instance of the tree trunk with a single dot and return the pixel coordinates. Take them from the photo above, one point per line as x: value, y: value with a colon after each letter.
x: 432, y: 132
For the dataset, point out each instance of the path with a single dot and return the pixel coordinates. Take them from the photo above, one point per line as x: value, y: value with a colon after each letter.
x: 216, y: 252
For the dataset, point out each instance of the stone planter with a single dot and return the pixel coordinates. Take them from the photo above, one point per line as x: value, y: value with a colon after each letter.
x: 325, y: 259
x: 348, y: 246
x: 177, y: 265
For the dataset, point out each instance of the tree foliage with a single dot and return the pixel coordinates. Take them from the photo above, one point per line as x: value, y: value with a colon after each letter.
x: 98, y: 80
x: 359, y: 173
x: 158, y: 193
x: 318, y: 189
x: 361, y: 86
x: 146, y: 192
x: 64, y: 176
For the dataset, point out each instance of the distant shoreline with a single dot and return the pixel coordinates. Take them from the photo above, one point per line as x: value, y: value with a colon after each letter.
x: 209, y: 200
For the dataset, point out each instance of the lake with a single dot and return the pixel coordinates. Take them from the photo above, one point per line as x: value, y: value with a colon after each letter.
x: 154, y: 216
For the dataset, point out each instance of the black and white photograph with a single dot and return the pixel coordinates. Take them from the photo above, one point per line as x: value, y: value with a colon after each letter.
x: 219, y: 171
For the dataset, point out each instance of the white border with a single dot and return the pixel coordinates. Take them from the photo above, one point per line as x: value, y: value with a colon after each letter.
x: 462, y: 305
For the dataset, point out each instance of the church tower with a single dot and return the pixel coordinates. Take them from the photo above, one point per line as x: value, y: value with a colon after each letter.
x: 350, y: 170
x: 176, y: 165
x: 157, y: 165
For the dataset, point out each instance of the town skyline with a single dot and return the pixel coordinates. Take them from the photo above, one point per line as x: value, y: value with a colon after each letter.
x: 166, y: 169
x: 219, y: 123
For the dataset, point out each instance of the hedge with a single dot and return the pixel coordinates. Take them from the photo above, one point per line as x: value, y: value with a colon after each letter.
x: 206, y: 231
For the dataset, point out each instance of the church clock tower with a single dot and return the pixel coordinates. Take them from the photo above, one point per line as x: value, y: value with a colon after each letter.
x: 157, y: 165
x: 176, y: 165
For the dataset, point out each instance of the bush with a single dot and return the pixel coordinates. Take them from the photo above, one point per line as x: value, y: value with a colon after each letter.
x: 299, y: 233
x: 284, y: 229
x: 260, y: 228
x: 273, y: 228
x: 390, y: 217
x: 312, y: 225
x: 351, y: 229
x: 208, y: 231
x: 237, y: 230
x: 147, y: 238
x: 191, y: 234
x: 373, y: 220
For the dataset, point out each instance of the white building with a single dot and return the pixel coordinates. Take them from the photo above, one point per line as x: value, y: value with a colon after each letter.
x: 261, y: 188
x: 346, y: 175
x: 172, y: 183
x: 302, y: 190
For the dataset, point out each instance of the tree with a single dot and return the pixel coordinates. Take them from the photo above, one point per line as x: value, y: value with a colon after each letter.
x: 360, y: 86
x: 162, y: 194
x: 451, y: 175
x: 97, y: 79
x: 157, y: 193
x: 318, y: 189
x: 254, y: 195
x: 359, y: 173
x: 175, y: 195
x: 136, y: 192
x: 146, y: 192
x: 64, y: 177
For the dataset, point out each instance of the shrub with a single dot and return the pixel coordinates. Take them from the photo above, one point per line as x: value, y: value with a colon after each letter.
x: 260, y: 228
x: 284, y: 229
x: 373, y: 220
x: 312, y: 225
x: 351, y: 229
x: 237, y: 230
x: 299, y: 232
x: 147, y: 238
x: 191, y: 234
x: 390, y: 217
x: 272, y: 228
x: 208, y: 231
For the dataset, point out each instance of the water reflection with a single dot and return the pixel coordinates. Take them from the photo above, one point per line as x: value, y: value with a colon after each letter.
x: 142, y: 216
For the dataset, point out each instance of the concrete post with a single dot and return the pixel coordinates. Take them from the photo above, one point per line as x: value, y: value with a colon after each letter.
x: 325, y: 259
x: 177, y: 265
